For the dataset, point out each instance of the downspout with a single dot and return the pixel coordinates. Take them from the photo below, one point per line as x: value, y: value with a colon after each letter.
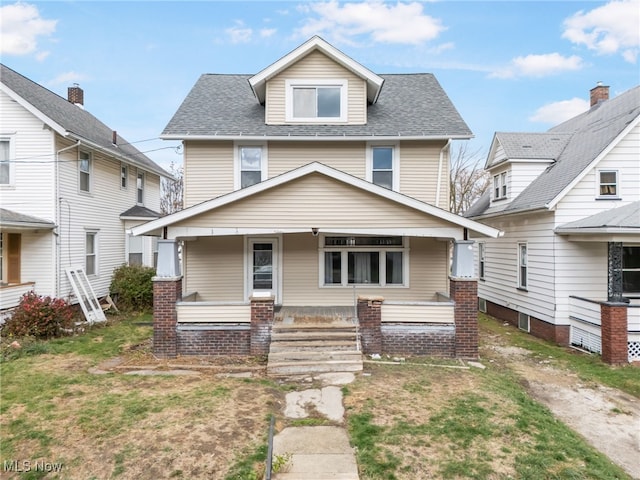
x: 58, y: 214
x: 440, y: 162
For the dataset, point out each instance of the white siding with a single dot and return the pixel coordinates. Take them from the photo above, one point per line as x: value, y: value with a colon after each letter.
x: 208, y: 312
x: 520, y: 176
x: 417, y: 313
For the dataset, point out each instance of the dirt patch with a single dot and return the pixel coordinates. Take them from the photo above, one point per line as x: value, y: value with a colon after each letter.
x: 607, y: 418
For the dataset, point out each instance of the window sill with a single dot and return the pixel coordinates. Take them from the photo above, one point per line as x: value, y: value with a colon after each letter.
x: 498, y: 199
x: 609, y: 198
x: 522, y: 289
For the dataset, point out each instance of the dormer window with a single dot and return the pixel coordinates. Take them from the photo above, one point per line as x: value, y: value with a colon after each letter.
x: 608, y: 184
x: 500, y: 186
x: 316, y: 101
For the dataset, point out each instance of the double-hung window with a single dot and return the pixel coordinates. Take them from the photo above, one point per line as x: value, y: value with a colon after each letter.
x: 6, y: 168
x: 251, y: 165
x: 608, y: 184
x: 500, y: 186
x: 124, y: 175
x: 379, y: 261
x: 522, y: 266
x: 631, y: 270
x: 84, y: 166
x: 481, y: 262
x: 316, y: 100
x: 140, y: 188
x: 91, y: 253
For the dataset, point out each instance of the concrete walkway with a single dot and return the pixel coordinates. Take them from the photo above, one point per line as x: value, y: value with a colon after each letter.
x: 317, y: 452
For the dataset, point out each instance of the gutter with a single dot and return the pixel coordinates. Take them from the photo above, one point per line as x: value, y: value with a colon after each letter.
x: 307, y: 138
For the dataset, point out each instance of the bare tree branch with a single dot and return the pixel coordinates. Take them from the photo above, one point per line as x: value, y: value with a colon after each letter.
x: 171, y: 190
x: 468, y: 179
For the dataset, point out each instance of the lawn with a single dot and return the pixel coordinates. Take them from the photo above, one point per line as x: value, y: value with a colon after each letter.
x: 407, y: 421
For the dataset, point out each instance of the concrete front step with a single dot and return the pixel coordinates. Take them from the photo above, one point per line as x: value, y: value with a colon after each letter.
x: 310, y: 327
x: 314, y: 356
x: 284, y: 369
x: 312, y: 335
x: 312, y: 346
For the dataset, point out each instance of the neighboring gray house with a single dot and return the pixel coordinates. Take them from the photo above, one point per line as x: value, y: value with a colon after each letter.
x: 568, y: 201
x: 70, y: 188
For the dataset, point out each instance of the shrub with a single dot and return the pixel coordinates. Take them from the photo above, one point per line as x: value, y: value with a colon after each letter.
x: 132, y: 285
x: 40, y: 317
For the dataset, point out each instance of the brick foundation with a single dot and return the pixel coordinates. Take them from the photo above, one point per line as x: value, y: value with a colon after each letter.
x: 370, y: 318
x: 214, y: 340
x: 464, y: 293
x: 166, y: 292
x: 614, y: 333
x: 419, y: 340
x: 261, y: 322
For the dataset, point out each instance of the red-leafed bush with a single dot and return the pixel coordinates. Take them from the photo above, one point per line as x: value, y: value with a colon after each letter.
x: 40, y: 317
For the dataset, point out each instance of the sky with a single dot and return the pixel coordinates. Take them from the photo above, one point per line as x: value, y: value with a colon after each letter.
x: 516, y: 66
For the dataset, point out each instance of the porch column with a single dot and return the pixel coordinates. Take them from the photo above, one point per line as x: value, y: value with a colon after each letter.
x: 370, y: 320
x: 614, y: 335
x: 167, y: 290
x: 261, y: 322
x: 614, y: 292
x: 464, y: 292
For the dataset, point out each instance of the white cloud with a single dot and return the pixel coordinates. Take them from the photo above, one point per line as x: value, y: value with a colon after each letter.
x: 21, y: 25
x: 267, y: 32
x: 67, y: 78
x: 239, y: 33
x: 608, y: 29
x: 402, y: 23
x: 539, y: 66
x: 558, y: 112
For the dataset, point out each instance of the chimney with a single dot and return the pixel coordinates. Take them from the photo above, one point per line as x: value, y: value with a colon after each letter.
x: 75, y: 95
x: 599, y: 93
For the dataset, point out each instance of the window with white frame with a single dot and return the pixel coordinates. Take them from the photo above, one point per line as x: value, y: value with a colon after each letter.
x: 522, y: 266
x: 84, y: 168
x: 136, y: 249
x: 631, y: 270
x: 124, y: 176
x: 140, y: 188
x: 91, y: 253
x: 316, y: 100
x: 481, y: 263
x: 500, y: 186
x: 6, y: 168
x: 251, y: 165
x: 608, y: 184
x: 380, y: 261
x: 382, y: 166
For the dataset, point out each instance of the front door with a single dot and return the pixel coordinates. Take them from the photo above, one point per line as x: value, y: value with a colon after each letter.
x: 263, y: 266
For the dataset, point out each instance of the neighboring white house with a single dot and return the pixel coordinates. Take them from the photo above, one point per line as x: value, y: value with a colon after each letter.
x: 568, y: 201
x: 70, y: 187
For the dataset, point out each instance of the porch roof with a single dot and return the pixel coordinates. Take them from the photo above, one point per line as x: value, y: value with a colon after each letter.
x: 441, y: 223
x: 624, y: 221
x: 20, y: 221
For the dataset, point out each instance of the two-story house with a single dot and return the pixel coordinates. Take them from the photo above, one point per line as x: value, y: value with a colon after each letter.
x: 70, y: 188
x: 314, y: 183
x: 568, y: 201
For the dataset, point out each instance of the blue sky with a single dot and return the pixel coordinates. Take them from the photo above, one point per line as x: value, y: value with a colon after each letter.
x: 507, y: 65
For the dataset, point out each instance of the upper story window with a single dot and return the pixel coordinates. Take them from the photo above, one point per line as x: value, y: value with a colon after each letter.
x: 251, y: 165
x: 500, y: 186
x: 316, y: 100
x: 84, y: 167
x: 140, y: 188
x: 608, y: 184
x: 382, y: 166
x: 6, y: 168
x: 124, y: 176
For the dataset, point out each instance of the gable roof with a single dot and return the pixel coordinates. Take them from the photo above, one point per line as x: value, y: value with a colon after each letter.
x: 589, y: 137
x: 259, y: 80
x: 625, y: 219
x: 411, y: 106
x: 72, y: 121
x: 527, y: 146
x: 313, y: 168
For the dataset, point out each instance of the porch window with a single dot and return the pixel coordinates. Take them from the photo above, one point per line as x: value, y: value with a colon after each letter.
x: 522, y: 266
x: 136, y: 248
x: 631, y: 270
x: 608, y: 183
x: 316, y: 100
x: 364, y: 261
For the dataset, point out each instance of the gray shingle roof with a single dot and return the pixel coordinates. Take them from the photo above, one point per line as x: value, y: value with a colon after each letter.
x: 532, y: 146
x: 9, y: 218
x: 139, y: 211
x: 413, y: 105
x: 587, y: 136
x: 626, y: 217
x: 75, y: 120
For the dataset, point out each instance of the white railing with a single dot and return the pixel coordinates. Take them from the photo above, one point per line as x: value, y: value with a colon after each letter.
x: 10, y: 295
x: 417, y: 312
x: 212, y: 312
x: 633, y: 318
x: 584, y: 310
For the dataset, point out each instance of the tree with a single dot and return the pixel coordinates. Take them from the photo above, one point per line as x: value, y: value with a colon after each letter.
x: 468, y: 179
x: 171, y: 190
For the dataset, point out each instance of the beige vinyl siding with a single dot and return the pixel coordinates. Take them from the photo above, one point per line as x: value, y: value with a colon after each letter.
x: 419, y: 162
x: 214, y: 268
x: 314, y: 201
x: 208, y: 170
x: 348, y: 157
x: 210, y: 313
x: 316, y: 66
x: 301, y: 274
x: 417, y: 313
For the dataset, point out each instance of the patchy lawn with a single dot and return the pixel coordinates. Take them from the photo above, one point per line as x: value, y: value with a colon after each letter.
x: 407, y: 421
